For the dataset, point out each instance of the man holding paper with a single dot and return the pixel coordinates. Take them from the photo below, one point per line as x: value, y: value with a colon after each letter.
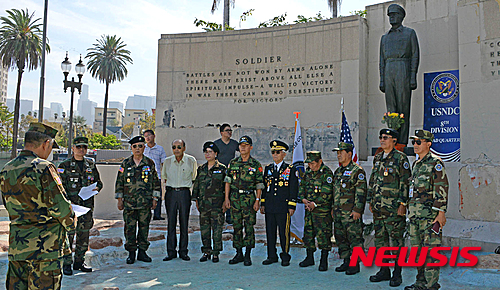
x: 76, y: 173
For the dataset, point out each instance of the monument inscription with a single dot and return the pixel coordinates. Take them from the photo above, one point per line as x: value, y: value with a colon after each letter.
x: 491, y: 59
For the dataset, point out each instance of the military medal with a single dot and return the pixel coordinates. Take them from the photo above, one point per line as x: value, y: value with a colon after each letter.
x: 286, y: 183
x: 128, y: 179
x: 343, y: 185
x: 386, y: 173
x: 146, y: 180
x: 280, y: 183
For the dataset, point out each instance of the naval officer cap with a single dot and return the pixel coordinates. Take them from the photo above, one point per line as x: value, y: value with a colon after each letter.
x: 344, y: 146
x: 210, y: 145
x: 312, y: 156
x: 245, y: 139
x: 44, y: 129
x: 389, y: 131
x: 278, y: 145
x: 136, y: 139
x: 395, y: 8
x: 423, y: 134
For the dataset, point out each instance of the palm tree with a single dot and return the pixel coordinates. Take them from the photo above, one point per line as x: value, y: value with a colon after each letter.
x: 20, y: 47
x: 80, y: 126
x: 334, y: 7
x: 215, y: 3
x: 107, y: 63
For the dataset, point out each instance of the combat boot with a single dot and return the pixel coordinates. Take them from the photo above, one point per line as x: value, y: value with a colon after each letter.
x: 238, y: 258
x: 384, y: 274
x: 142, y: 256
x: 396, y: 279
x: 81, y: 267
x: 309, y: 260
x: 353, y: 270
x: 67, y: 270
x: 247, y: 261
x: 131, y: 257
x: 323, y: 264
x: 344, y: 266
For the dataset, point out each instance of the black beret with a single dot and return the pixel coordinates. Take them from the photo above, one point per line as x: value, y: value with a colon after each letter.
x: 136, y: 139
x: 389, y: 131
x: 210, y: 145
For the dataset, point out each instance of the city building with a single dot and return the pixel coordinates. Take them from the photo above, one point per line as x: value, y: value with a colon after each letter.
x: 147, y: 103
x: 131, y: 115
x: 86, y: 107
x: 116, y: 105
x: 25, y: 106
x: 4, y: 76
x: 56, y: 108
x: 115, y: 118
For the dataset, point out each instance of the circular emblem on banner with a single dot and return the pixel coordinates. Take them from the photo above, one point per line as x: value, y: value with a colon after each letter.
x: 444, y: 88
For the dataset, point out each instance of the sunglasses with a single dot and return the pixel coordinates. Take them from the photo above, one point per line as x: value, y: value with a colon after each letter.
x: 275, y: 152
x: 178, y: 147
x: 419, y: 142
x: 81, y: 146
x: 137, y: 146
x: 229, y: 130
x: 384, y: 137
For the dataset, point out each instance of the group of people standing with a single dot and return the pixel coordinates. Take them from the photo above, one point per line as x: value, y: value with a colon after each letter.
x: 37, y: 197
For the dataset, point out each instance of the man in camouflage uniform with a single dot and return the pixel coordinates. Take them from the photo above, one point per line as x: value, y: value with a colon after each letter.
x: 39, y: 213
x: 349, y: 186
x: 208, y: 192
x: 244, y: 184
x: 77, y: 172
x: 427, y: 205
x: 279, y: 199
x: 138, y: 191
x: 387, y: 197
x: 316, y: 193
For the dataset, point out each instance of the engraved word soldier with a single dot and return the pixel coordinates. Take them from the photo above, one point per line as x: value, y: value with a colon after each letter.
x: 39, y: 213
x: 243, y: 190
x: 427, y: 206
x: 77, y: 172
x: 278, y: 202
x: 208, y: 192
x: 316, y: 192
x: 138, y: 191
x: 387, y: 197
x: 348, y: 206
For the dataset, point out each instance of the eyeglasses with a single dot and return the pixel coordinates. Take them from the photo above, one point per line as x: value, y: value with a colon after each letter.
x: 137, y: 146
x: 178, y: 147
x: 384, y: 137
x: 228, y: 130
x: 275, y: 152
x: 418, y: 141
x: 81, y: 146
x: 208, y: 152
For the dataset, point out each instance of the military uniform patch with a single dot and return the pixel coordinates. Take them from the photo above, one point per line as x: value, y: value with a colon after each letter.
x: 406, y: 165
x: 361, y: 176
x: 121, y: 169
x: 60, y: 170
x: 329, y: 180
x: 439, y: 167
x: 56, y: 177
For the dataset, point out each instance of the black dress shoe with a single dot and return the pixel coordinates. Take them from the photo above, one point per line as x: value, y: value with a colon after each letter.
x: 169, y: 257
x: 215, y: 259
x: 205, y: 258
x: 185, y: 257
x: 285, y: 263
x: 158, y: 218
x: 269, y: 261
x: 67, y: 270
x: 81, y: 267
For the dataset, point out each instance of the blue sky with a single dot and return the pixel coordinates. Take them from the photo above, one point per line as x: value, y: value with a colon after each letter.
x: 75, y: 25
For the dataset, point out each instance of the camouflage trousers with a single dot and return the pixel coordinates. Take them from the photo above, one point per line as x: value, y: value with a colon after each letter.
x: 83, y: 225
x: 319, y: 226
x: 422, y: 236
x: 389, y: 230
x: 211, y: 222
x: 34, y: 274
x: 243, y: 216
x: 136, y: 238
x: 348, y: 233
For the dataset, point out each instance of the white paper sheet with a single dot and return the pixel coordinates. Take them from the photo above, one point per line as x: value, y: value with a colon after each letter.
x: 79, y: 210
x: 88, y: 191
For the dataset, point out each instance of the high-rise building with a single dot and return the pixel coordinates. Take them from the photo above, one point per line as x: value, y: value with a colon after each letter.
x: 56, y: 108
x: 115, y: 105
x: 4, y: 76
x: 138, y: 102
x: 86, y: 107
x: 25, y: 106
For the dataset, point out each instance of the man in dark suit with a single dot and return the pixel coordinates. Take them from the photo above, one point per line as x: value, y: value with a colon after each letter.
x: 278, y: 202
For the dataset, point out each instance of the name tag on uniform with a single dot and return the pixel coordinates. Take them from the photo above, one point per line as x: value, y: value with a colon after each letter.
x: 411, y: 191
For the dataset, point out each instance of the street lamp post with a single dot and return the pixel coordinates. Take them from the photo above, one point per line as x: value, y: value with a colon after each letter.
x: 80, y: 70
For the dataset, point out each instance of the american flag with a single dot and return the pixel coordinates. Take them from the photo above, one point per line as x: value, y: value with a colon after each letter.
x: 345, y: 136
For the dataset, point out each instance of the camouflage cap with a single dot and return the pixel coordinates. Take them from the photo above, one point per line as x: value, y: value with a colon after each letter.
x: 81, y: 141
x: 245, y: 139
x: 136, y: 139
x: 210, y: 145
x: 389, y: 131
x: 312, y: 156
x: 44, y: 129
x: 278, y: 145
x: 423, y: 134
x: 343, y: 146
x: 395, y: 8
